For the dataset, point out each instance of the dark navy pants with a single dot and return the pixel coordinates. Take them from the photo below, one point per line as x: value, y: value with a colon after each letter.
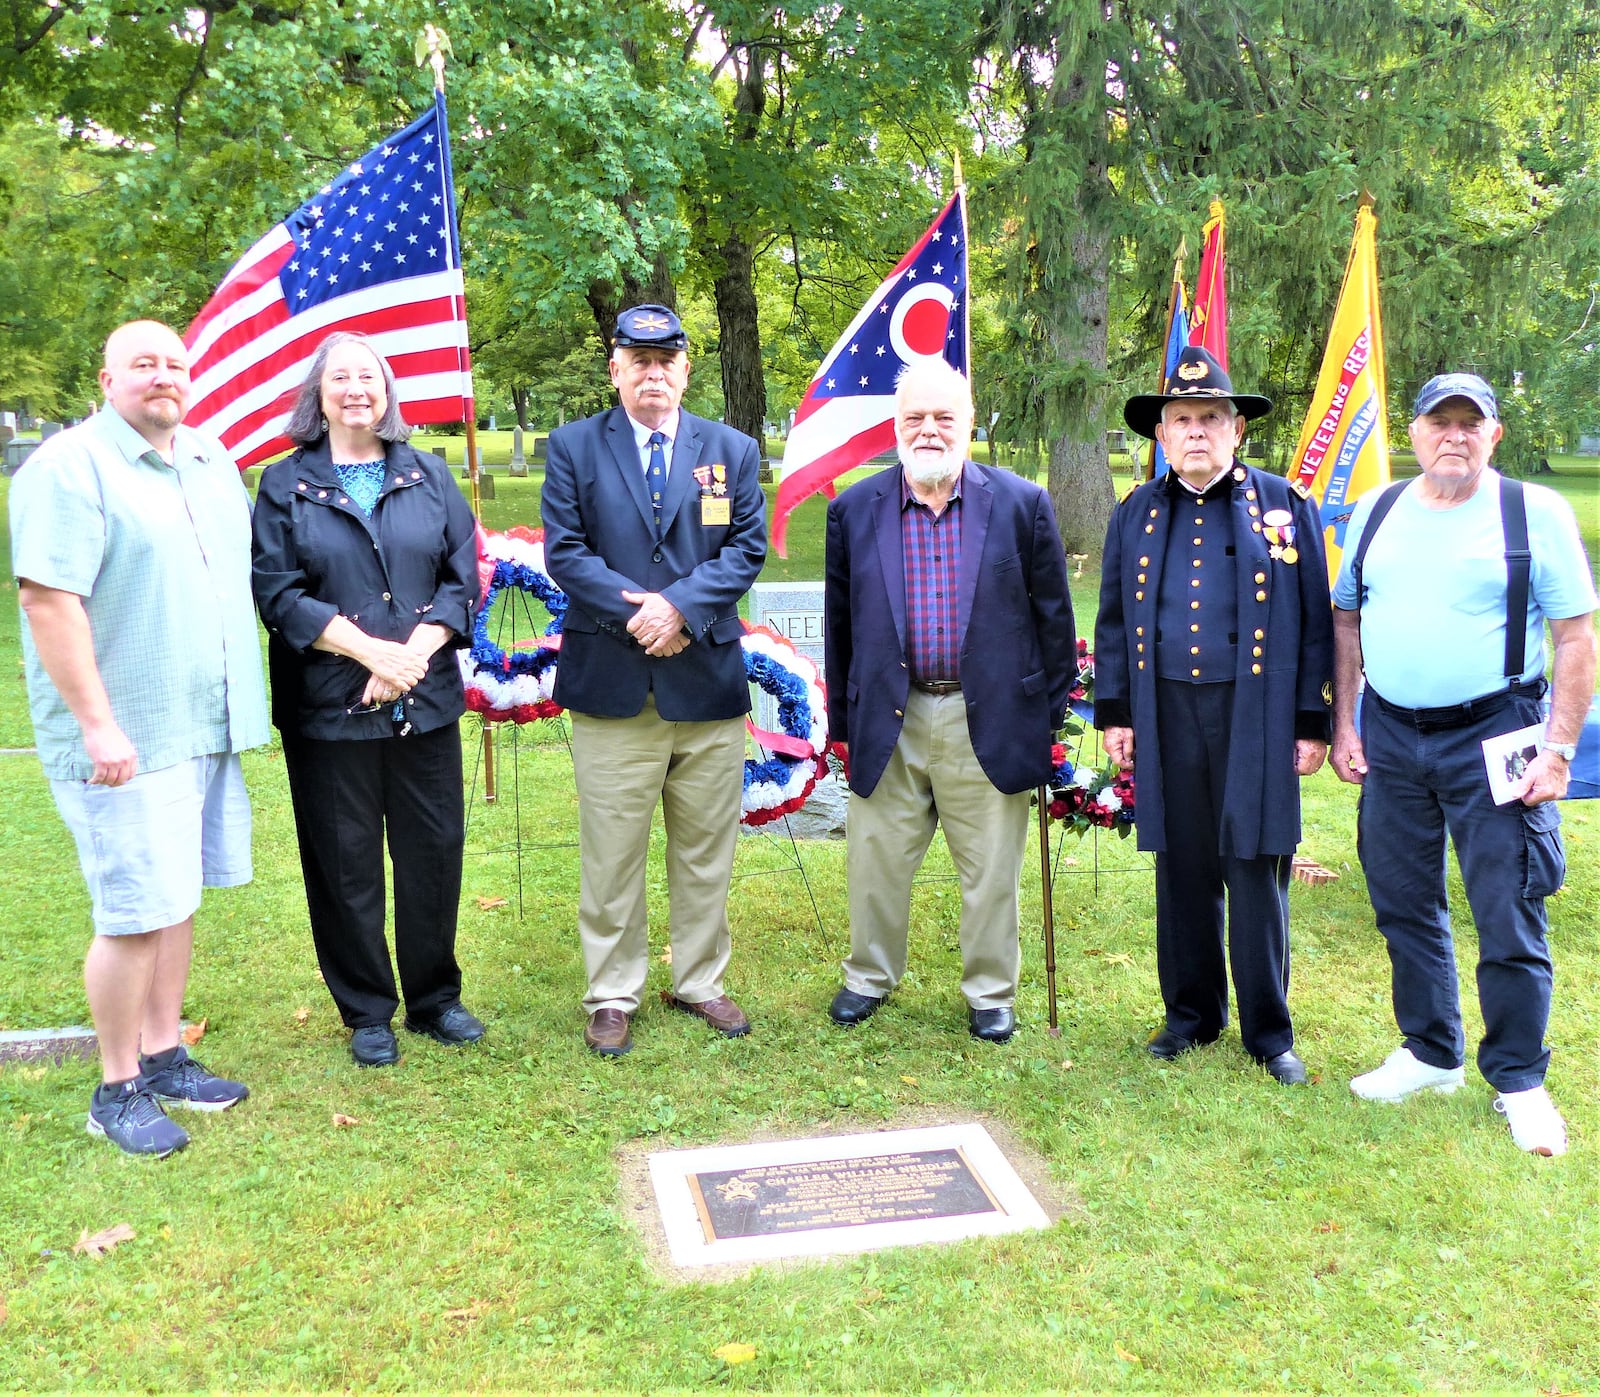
x: 1421, y: 784
x: 349, y: 799
x: 1191, y: 877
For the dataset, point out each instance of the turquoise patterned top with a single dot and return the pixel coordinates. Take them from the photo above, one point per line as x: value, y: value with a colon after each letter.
x: 362, y: 481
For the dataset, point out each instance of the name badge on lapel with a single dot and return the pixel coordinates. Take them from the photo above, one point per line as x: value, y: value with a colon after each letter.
x: 716, y: 510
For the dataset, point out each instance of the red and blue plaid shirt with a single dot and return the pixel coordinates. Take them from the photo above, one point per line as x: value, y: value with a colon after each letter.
x: 931, y: 548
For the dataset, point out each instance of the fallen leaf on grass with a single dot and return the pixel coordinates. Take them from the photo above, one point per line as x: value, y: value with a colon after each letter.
x: 102, y: 1241
x: 735, y: 1354
x: 194, y: 1032
x: 343, y: 1121
x: 1118, y: 958
x: 488, y: 904
x: 301, y: 1015
x: 1329, y: 1226
x: 467, y: 1315
x: 1093, y: 951
x: 666, y: 955
x: 909, y: 1081
x: 1127, y: 1357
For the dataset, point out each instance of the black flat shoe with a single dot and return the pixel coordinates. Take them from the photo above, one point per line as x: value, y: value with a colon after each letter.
x: 1287, y: 1068
x: 992, y: 1025
x: 1167, y: 1045
x: 451, y: 1025
x: 374, y: 1046
x: 849, y: 1008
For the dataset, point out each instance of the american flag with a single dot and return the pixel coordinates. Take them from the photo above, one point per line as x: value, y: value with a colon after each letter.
x: 847, y: 414
x: 375, y: 251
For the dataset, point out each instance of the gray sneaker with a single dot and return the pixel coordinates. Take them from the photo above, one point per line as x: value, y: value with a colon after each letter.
x: 185, y: 1082
x: 133, y: 1121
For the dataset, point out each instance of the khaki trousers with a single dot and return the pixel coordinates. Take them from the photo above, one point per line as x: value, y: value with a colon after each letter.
x: 933, y: 779
x: 624, y: 767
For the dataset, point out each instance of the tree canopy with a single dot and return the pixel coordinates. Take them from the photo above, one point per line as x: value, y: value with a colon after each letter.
x: 762, y: 166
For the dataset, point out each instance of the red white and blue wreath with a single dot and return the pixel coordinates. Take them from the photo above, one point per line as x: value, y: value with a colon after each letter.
x: 518, y: 686
x: 782, y: 783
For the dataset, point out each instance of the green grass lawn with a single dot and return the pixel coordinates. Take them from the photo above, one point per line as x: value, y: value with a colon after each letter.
x: 1221, y: 1233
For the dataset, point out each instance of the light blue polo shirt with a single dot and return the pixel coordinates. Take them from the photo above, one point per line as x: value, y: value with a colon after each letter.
x: 1433, y: 625
x: 161, y: 557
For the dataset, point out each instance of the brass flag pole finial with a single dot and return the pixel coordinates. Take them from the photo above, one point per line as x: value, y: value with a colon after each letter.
x: 433, y: 47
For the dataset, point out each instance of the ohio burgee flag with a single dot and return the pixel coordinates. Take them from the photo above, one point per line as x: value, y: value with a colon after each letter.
x: 847, y: 414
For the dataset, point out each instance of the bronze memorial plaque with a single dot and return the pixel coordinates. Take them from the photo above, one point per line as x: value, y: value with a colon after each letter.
x: 772, y: 1199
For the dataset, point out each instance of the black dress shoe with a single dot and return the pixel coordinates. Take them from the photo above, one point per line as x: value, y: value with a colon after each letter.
x: 1167, y: 1045
x: 374, y: 1046
x: 450, y: 1025
x: 992, y: 1025
x: 1287, y: 1068
x: 849, y: 1008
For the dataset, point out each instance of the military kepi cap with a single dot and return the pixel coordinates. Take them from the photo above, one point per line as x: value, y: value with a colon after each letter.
x: 650, y: 327
x: 1196, y: 375
x: 1469, y: 386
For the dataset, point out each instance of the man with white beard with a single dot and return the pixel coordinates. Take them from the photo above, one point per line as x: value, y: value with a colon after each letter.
x: 950, y: 652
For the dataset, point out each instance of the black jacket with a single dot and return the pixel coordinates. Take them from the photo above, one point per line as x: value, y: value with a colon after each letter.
x: 317, y: 556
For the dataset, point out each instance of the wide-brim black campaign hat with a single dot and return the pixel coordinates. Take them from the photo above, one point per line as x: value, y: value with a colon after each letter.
x: 1196, y: 375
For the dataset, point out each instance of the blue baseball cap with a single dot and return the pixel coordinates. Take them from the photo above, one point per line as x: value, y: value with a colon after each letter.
x: 1469, y: 386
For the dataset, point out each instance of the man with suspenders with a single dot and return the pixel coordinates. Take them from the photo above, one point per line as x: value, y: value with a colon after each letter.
x: 1443, y: 590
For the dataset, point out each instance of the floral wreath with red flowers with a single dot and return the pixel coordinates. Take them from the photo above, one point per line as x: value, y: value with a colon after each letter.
x: 1084, y: 796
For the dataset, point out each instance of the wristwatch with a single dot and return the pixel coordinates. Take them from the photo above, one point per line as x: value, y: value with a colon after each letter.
x: 1566, y: 750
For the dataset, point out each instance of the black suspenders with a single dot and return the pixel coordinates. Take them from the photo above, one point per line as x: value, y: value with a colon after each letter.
x: 1519, y: 562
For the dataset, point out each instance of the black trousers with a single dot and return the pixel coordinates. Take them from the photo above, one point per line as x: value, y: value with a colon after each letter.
x: 347, y: 796
x: 1191, y: 877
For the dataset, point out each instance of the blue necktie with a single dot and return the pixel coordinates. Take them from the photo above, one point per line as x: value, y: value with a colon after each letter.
x: 656, y: 477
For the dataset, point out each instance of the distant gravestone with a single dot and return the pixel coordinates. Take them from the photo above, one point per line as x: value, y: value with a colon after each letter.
x: 48, y: 430
x: 519, y: 462
x: 794, y: 611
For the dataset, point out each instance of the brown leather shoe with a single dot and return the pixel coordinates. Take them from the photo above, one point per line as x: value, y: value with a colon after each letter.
x: 607, y: 1033
x: 721, y: 1013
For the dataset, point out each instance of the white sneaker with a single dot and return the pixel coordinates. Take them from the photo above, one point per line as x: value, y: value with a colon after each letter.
x: 1402, y: 1075
x: 1536, y: 1125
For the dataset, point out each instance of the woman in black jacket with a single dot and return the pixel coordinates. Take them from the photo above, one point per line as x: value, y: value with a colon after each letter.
x: 366, y: 578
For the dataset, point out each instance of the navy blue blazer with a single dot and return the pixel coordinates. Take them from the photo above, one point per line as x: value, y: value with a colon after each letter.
x: 1018, y: 646
x: 1283, y: 668
x: 600, y: 540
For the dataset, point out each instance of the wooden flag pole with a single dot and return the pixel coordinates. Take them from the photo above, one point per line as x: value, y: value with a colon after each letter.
x: 1047, y: 892
x: 432, y: 47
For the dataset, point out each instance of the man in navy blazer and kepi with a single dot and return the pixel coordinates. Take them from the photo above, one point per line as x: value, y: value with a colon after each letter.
x: 1213, y: 661
x: 655, y: 527
x: 950, y: 653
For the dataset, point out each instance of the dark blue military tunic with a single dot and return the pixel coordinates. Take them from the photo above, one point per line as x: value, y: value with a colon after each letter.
x: 1264, y: 623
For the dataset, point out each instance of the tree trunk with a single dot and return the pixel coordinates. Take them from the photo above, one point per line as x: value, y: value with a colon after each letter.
x: 519, y: 400
x: 744, y: 385
x: 606, y: 300
x: 1080, y: 466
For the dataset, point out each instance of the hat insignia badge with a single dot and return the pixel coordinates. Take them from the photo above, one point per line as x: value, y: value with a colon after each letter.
x: 644, y: 323
x: 1190, y: 372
